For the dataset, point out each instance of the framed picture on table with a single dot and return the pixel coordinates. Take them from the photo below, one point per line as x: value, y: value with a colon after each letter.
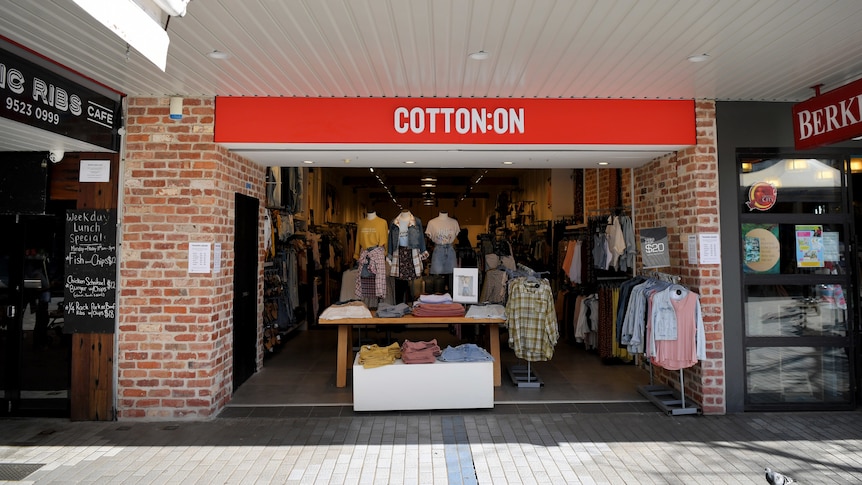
x: 466, y: 282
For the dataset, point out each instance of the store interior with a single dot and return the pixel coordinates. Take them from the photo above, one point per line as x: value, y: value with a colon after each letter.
x: 530, y: 213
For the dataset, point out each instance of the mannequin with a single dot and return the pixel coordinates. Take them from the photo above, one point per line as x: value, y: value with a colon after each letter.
x: 371, y: 232
x: 406, y: 252
x: 372, y: 239
x: 443, y: 230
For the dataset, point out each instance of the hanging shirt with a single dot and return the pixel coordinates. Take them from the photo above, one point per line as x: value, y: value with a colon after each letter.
x: 616, y: 241
x: 690, y: 344
x: 574, y: 269
x: 531, y: 319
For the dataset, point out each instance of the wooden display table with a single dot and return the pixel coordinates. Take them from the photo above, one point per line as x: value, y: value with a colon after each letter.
x: 345, y: 349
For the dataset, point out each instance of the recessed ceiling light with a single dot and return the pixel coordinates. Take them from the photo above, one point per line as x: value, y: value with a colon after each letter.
x: 217, y: 54
x: 409, y: 162
x: 603, y: 163
x: 307, y: 162
x: 508, y: 163
x: 698, y: 57
x: 479, y: 56
x: 428, y: 185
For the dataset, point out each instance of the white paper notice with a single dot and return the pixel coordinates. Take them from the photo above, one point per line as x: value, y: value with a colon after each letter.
x: 217, y: 258
x: 199, y: 257
x: 94, y: 171
x: 710, y: 249
x: 692, y: 249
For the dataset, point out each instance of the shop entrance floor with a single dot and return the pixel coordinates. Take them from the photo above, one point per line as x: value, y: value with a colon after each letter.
x: 302, y: 373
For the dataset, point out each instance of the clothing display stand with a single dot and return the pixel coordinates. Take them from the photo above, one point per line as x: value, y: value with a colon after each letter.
x: 667, y: 399
x: 524, y: 376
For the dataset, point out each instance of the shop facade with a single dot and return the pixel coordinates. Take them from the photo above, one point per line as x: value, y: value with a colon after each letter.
x: 175, y: 348
x: 185, y: 341
x: 795, y: 292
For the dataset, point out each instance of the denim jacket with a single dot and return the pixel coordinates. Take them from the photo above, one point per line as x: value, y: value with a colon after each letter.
x: 415, y: 235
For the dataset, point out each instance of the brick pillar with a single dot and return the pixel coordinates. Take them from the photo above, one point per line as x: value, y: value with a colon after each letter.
x: 175, y: 328
x: 680, y: 192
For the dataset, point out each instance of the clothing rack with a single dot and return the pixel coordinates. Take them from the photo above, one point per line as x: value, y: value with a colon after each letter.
x: 609, y: 210
x: 658, y: 275
x: 664, y: 397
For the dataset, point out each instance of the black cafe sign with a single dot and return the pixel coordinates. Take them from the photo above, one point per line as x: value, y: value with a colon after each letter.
x: 37, y: 96
x: 90, y: 284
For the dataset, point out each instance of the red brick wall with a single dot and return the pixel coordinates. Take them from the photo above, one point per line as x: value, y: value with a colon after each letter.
x: 175, y: 340
x: 680, y: 192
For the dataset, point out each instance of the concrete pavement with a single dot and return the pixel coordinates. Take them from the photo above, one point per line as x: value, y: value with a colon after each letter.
x: 529, y: 444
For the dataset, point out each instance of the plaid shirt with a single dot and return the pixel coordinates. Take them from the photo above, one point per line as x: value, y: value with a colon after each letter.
x: 531, y: 319
x: 417, y: 262
x: 377, y: 265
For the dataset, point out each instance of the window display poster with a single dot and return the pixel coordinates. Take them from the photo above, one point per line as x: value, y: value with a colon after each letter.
x: 830, y: 247
x: 761, y: 249
x: 809, y: 246
x: 654, y: 247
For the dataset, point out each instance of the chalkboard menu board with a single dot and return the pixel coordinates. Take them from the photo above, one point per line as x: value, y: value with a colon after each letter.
x: 91, y: 271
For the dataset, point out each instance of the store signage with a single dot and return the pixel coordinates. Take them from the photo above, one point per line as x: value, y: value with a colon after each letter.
x: 655, y: 251
x: 762, y: 196
x: 829, y: 118
x: 90, y: 286
x: 452, y: 121
x: 36, y: 96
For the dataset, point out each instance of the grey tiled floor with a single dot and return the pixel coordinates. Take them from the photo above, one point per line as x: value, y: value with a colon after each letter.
x: 302, y: 372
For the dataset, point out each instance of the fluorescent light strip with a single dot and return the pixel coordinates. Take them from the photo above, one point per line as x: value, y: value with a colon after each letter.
x: 132, y: 24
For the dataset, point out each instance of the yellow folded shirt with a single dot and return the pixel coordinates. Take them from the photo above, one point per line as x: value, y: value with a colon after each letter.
x: 371, y: 356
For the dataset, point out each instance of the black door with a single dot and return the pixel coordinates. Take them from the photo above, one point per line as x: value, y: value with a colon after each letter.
x: 36, y: 355
x: 245, y: 279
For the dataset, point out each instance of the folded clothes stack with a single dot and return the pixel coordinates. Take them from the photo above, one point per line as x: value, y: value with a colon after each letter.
x: 385, y: 310
x: 438, y: 310
x: 371, y: 356
x: 435, y: 298
x: 465, y: 353
x: 351, y: 309
x: 486, y: 311
x: 420, y: 352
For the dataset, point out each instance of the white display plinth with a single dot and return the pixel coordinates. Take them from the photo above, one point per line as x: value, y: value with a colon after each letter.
x: 441, y: 385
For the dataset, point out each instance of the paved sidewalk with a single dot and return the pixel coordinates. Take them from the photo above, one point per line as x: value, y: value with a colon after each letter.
x: 510, y: 444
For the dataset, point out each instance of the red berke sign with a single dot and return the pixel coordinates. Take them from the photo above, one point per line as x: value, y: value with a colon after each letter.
x: 829, y: 118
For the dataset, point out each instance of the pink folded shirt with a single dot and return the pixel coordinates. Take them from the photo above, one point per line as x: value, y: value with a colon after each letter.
x: 438, y: 310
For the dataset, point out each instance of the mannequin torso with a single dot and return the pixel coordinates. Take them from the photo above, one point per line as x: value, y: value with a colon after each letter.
x: 443, y: 229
